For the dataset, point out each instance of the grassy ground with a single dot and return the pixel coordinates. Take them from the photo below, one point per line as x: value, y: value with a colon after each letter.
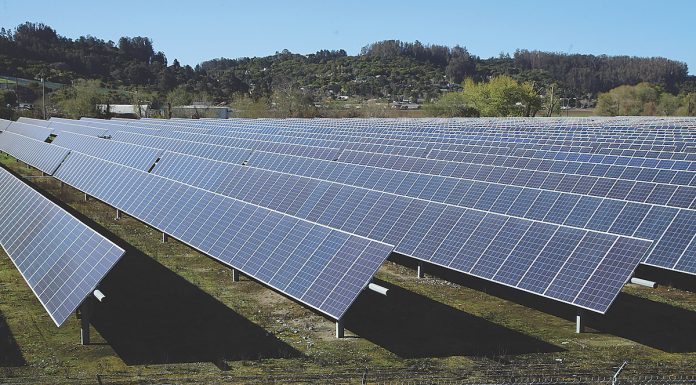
x: 174, y: 315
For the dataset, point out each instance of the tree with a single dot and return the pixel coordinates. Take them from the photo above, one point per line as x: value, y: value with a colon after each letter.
x: 80, y: 99
x: 645, y: 99
x: 502, y: 96
x: 451, y: 104
x: 290, y: 102
x: 461, y: 65
x: 8, y: 99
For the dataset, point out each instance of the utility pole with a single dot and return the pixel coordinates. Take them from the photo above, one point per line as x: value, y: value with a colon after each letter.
x: 43, y: 90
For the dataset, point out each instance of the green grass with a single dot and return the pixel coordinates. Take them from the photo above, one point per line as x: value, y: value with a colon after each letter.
x: 220, y: 331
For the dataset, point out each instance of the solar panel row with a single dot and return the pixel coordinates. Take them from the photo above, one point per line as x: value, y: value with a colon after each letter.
x: 476, y: 242
x: 131, y: 155
x: 60, y: 258
x: 29, y: 130
x: 321, y: 267
x: 37, y: 153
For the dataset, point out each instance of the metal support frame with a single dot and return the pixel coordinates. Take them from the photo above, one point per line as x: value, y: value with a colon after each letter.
x: 86, y: 197
x: 340, y: 330
x: 84, y: 322
x: 118, y: 214
x: 165, y: 237
x: 419, y: 270
x: 235, y: 275
x: 580, y: 321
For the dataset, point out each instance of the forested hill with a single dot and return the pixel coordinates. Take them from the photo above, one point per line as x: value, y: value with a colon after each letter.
x: 388, y: 69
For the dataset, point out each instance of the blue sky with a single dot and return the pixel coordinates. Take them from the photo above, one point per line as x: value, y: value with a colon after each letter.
x: 193, y: 31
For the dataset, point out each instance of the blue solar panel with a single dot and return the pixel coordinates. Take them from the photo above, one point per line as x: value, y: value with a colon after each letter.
x: 61, y: 127
x: 4, y: 124
x: 431, y: 231
x: 132, y: 155
x: 60, y: 258
x: 321, y: 267
x: 39, y: 154
x: 29, y: 130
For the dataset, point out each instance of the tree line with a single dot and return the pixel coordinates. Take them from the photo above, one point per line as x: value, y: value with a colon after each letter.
x: 386, y: 70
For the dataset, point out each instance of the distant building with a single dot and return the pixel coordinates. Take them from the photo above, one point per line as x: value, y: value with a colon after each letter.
x: 200, y: 111
x: 125, y: 110
x: 405, y: 105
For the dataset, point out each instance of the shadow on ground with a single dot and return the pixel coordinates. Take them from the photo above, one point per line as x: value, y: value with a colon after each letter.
x: 10, y: 355
x: 654, y: 324
x: 413, y: 326
x: 681, y: 281
x: 154, y: 316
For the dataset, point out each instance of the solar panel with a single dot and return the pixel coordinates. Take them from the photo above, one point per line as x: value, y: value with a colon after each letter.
x: 131, y: 155
x: 321, y: 267
x: 39, y: 154
x: 60, y: 127
x: 223, y: 152
x: 680, y: 196
x: 467, y: 240
x: 29, y: 130
x: 35, y: 122
x: 4, y: 123
x: 60, y: 258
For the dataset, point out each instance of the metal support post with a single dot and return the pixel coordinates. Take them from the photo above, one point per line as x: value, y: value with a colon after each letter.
x: 340, y: 331
x: 165, y: 237
x: 580, y: 321
x: 84, y: 322
x: 235, y: 275
x: 118, y: 214
x: 419, y: 270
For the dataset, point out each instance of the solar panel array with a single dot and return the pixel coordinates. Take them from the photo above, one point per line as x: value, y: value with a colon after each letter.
x: 564, y: 208
x: 636, y: 198
x: 504, y: 249
x: 60, y: 258
x: 321, y: 267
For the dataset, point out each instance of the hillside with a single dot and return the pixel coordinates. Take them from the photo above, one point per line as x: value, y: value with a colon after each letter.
x: 390, y: 69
